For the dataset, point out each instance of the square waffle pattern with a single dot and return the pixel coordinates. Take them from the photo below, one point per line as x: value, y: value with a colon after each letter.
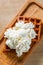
x: 36, y: 22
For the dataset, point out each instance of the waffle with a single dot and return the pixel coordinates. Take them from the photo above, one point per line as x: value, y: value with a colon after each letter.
x: 36, y: 22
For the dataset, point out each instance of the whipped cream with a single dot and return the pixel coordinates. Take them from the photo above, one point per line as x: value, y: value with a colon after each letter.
x: 19, y: 37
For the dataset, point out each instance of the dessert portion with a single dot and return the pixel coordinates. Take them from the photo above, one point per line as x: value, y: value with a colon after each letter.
x: 37, y: 24
x: 21, y: 35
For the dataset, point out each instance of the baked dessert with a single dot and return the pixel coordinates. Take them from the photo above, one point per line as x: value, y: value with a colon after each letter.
x: 26, y: 24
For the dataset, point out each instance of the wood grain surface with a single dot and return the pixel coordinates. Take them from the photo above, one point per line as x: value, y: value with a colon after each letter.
x: 8, y: 11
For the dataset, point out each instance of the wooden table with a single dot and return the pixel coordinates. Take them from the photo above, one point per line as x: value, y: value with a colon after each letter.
x: 8, y: 10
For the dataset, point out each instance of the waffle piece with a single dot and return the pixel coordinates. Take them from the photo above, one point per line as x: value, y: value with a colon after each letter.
x: 36, y: 22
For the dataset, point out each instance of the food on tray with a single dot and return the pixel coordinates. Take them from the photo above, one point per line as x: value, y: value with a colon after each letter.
x: 24, y: 33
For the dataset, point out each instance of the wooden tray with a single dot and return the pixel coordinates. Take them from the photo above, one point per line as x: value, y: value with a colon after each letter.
x: 10, y: 58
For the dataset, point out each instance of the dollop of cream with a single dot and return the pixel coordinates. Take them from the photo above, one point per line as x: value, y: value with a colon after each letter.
x: 19, y: 37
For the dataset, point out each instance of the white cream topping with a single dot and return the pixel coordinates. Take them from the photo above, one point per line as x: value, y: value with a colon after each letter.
x: 19, y: 37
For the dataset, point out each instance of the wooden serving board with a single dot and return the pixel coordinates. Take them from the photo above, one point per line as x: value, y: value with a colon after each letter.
x: 30, y: 9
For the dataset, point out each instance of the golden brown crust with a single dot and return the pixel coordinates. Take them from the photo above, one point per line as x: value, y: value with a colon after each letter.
x: 36, y: 22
